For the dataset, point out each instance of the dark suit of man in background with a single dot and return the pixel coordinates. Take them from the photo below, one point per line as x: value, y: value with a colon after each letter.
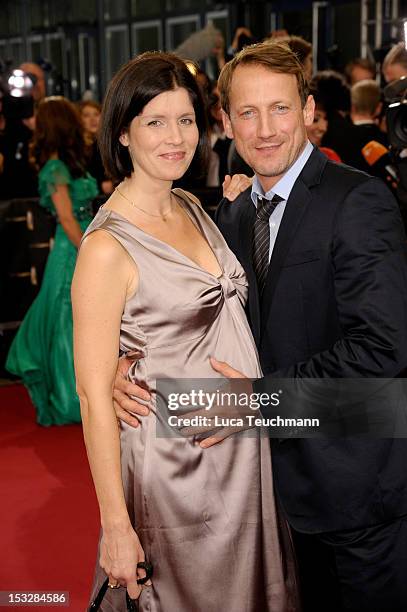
x: 333, y: 305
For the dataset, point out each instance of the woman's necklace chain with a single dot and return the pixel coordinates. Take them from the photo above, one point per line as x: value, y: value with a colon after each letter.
x: 161, y: 216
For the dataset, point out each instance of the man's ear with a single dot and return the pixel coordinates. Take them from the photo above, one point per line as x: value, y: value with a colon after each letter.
x: 308, y: 111
x: 227, y: 125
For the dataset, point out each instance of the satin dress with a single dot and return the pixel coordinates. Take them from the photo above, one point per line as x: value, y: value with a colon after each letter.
x: 206, y: 518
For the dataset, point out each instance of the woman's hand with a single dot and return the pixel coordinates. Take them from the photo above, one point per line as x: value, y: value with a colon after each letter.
x: 234, y: 185
x: 120, y: 551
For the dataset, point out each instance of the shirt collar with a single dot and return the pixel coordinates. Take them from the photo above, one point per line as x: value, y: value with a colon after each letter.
x: 284, y: 186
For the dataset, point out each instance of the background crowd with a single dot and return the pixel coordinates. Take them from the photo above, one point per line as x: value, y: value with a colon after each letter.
x: 38, y: 158
x: 350, y: 113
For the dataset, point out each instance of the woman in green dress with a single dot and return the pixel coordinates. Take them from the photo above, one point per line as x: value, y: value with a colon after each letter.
x: 42, y: 352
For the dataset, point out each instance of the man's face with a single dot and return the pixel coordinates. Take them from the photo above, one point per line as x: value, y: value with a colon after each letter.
x: 267, y: 121
x: 360, y: 74
x: 392, y: 72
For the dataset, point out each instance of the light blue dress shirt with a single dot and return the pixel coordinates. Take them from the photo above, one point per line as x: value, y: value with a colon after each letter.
x: 283, y: 189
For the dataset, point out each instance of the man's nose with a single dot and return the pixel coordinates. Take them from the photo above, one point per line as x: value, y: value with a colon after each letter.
x: 266, y: 125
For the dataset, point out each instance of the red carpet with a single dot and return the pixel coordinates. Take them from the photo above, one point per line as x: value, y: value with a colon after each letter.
x: 49, y: 521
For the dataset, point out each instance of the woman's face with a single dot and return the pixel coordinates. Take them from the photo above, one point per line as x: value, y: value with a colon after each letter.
x: 318, y: 128
x: 90, y: 118
x: 162, y: 140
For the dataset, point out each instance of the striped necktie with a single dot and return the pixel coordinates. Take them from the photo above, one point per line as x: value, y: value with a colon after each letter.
x: 261, y: 238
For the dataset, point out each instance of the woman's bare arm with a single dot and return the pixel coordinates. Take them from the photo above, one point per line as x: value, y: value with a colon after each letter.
x: 104, y: 277
x: 63, y: 205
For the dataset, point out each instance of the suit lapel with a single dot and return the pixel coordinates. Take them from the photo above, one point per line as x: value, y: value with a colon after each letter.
x: 296, y: 207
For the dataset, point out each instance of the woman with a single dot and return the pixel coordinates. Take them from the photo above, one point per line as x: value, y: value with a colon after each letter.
x: 220, y: 144
x: 317, y: 130
x: 41, y: 353
x: 90, y: 114
x: 156, y: 281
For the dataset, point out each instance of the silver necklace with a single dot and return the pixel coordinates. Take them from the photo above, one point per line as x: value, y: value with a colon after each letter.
x: 163, y: 216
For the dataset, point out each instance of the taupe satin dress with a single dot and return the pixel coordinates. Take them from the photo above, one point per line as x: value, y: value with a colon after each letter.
x: 206, y: 518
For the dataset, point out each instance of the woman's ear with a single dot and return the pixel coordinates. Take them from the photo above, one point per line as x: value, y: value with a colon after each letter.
x: 124, y: 139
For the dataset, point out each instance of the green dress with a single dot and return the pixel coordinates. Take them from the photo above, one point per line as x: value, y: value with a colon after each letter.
x: 42, y: 351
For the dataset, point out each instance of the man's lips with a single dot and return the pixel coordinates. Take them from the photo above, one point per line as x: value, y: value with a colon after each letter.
x: 173, y: 155
x: 269, y: 147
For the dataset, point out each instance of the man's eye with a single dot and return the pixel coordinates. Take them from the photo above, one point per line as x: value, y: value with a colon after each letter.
x: 281, y: 108
x: 247, y: 114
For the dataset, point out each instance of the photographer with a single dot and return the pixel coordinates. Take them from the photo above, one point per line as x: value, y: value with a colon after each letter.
x: 395, y: 72
x: 18, y: 178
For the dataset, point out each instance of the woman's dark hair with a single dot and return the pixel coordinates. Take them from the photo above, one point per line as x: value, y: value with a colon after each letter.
x: 319, y: 100
x: 333, y: 91
x: 58, y: 130
x: 134, y: 85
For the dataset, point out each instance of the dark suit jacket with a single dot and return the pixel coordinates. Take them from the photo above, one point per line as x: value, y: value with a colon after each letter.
x: 361, y: 135
x: 334, y: 306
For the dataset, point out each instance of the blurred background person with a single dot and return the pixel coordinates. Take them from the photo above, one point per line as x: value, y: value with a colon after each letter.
x: 334, y: 95
x: 360, y: 69
x: 317, y: 130
x: 90, y: 111
x: 19, y: 177
x: 38, y: 77
x: 395, y: 63
x: 303, y: 50
x: 243, y: 37
x: 219, y: 142
x: 366, y: 108
x: 42, y: 353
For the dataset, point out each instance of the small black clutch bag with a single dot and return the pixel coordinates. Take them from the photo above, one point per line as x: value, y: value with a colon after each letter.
x: 132, y: 604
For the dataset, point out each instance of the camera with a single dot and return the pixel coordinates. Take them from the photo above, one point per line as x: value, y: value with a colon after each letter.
x: 16, y: 93
x: 396, y: 97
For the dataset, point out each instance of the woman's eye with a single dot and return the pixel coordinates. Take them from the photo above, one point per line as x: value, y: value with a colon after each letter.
x: 187, y: 121
x: 154, y: 123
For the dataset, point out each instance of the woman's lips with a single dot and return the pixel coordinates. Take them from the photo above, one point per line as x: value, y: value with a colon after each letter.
x: 174, y: 156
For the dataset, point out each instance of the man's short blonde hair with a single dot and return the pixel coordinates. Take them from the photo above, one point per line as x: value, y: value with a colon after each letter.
x: 273, y: 55
x: 396, y: 55
x: 365, y: 97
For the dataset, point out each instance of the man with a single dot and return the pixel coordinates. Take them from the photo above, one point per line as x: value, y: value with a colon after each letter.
x: 38, y: 77
x: 19, y: 177
x: 360, y: 69
x: 366, y: 107
x: 332, y: 303
x: 395, y: 63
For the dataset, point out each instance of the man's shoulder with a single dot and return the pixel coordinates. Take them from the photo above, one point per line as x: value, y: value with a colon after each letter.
x: 331, y: 174
x: 232, y: 210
